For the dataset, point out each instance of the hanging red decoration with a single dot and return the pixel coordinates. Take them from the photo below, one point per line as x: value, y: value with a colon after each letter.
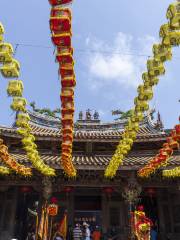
x: 60, y: 25
x: 62, y: 39
x: 68, y: 189
x: 108, y: 190
x: 25, y: 189
x: 59, y: 2
x: 151, y: 192
x: 60, y: 20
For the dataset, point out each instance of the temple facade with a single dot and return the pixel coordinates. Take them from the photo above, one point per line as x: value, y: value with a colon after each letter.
x: 90, y: 197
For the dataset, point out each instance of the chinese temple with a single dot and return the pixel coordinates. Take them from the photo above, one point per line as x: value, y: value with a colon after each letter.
x: 90, y: 197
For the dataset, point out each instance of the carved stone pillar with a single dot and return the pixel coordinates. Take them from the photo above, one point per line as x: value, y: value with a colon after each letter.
x: 47, y: 188
x: 131, y: 194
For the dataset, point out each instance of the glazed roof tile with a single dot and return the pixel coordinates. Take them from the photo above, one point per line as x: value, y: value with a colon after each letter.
x: 132, y: 161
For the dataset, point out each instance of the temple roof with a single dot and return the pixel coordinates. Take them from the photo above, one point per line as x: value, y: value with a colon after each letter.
x: 48, y: 127
x: 98, y: 162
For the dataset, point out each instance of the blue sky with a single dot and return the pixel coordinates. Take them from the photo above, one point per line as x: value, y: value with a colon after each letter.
x: 104, y: 33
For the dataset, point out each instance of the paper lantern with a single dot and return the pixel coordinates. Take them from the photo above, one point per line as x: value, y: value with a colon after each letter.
x: 66, y: 70
x: 108, y: 190
x: 145, y: 93
x: 173, y: 14
x: 68, y: 189
x: 15, y: 88
x: 137, y: 116
x: 25, y: 189
x: 19, y: 104
x: 140, y: 208
x: 68, y: 81
x: 172, y: 143
x: 60, y: 20
x: 3, y: 149
x: 155, y: 67
x: 141, y: 105
x: 23, y: 120
x: 11, y: 69
x: 65, y: 57
x: 151, y: 192
x: 23, y: 132
x: 62, y: 40
x: 6, y: 52
x: 167, y: 148
x: 177, y: 128
x: 169, y: 37
x: 133, y: 125
x: 148, y: 80
x: 1, y: 29
x: 162, y: 53
x: 59, y: 2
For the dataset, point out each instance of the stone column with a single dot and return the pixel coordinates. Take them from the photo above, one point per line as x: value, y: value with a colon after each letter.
x: 105, y: 213
x: 131, y: 194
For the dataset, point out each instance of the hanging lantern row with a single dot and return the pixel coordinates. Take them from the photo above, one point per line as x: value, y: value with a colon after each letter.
x: 161, y: 159
x: 155, y: 67
x: 11, y: 162
x: 175, y: 172
x: 11, y: 69
x: 60, y: 25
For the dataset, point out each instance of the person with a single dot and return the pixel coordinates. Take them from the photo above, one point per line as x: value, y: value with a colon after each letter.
x: 58, y: 237
x: 96, y: 234
x: 153, y: 234
x: 87, y: 232
x: 77, y: 233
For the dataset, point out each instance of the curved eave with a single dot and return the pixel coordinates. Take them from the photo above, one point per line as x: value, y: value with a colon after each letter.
x: 46, y: 134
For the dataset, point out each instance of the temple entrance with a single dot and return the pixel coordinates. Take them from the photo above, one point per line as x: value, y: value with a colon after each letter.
x: 88, y: 209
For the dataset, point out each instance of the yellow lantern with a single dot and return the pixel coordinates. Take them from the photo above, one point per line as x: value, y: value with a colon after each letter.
x: 137, y: 116
x: 23, y: 131
x: 169, y: 37
x: 162, y: 53
x: 148, y: 80
x: 15, y: 88
x: 6, y: 52
x: 173, y: 14
x: 1, y: 32
x: 11, y: 69
x: 23, y: 120
x: 155, y: 67
x: 141, y: 105
x: 19, y: 104
x: 1, y: 29
x: 27, y: 141
x: 145, y: 93
x: 133, y: 125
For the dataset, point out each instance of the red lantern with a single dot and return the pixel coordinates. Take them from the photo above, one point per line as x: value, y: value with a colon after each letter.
x: 60, y: 20
x: 108, y: 190
x: 68, y: 189
x: 59, y: 2
x: 66, y: 70
x: 54, y: 200
x: 140, y: 208
x: 177, y: 127
x: 68, y: 82
x: 151, y: 192
x: 62, y: 40
x: 25, y: 189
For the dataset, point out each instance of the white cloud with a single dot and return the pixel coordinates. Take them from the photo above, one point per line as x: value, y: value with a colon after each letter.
x: 116, y: 63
